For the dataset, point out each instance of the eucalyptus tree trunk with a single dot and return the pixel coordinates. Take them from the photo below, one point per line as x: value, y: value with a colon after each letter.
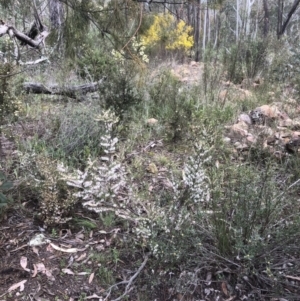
x: 204, y: 29
x: 56, y: 13
x: 248, y: 8
x: 279, y: 17
x: 197, y: 13
x: 217, y: 30
x: 237, y: 20
x: 266, y: 18
x: 208, y: 26
x: 56, y: 16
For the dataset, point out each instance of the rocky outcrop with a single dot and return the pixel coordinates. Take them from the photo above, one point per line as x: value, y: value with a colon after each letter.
x: 267, y: 126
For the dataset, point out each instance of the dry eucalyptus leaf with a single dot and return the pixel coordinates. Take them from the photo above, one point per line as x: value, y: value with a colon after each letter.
x: 41, y: 268
x: 224, y: 289
x: 68, y: 271
x: 35, y: 250
x: 34, y: 273
x: 208, y: 278
x: 91, y: 277
x: 17, y: 285
x: 81, y: 257
x: 93, y: 297
x: 23, y: 263
x: 70, y: 250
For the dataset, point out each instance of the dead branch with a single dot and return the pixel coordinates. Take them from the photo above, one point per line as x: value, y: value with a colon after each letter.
x: 44, y: 59
x: 37, y: 42
x: 128, y: 287
x: 70, y: 91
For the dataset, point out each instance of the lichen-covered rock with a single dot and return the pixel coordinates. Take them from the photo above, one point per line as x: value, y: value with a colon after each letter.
x: 245, y: 118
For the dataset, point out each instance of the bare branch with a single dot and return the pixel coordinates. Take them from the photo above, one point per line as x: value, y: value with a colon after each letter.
x: 36, y: 41
x: 128, y: 287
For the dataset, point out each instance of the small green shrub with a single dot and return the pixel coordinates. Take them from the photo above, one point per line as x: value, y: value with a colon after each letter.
x: 172, y: 104
x: 8, y: 103
x: 120, y: 95
x: 5, y: 186
x: 95, y: 63
x: 45, y: 187
x: 84, y: 223
x: 248, y: 203
x: 73, y: 134
x: 245, y: 59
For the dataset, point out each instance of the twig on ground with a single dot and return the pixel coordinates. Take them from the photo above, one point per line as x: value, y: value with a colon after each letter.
x: 128, y: 287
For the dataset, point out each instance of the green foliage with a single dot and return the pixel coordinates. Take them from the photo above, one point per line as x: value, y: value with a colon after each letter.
x: 45, y: 185
x: 76, y: 26
x: 247, y: 207
x: 84, y: 223
x: 121, y: 96
x: 95, y: 63
x: 170, y: 102
x: 285, y: 65
x: 105, y: 275
x: 118, y: 91
x: 245, y: 59
x: 5, y: 186
x: 108, y: 20
x: 174, y: 230
x: 73, y: 134
x: 8, y: 103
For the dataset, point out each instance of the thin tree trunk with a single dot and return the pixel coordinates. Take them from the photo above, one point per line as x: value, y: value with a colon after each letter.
x: 237, y: 20
x: 266, y: 18
x: 208, y: 26
x: 279, y: 17
x: 204, y: 30
x: 197, y: 31
x: 56, y: 13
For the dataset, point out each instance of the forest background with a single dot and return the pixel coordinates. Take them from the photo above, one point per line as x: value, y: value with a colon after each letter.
x: 151, y: 147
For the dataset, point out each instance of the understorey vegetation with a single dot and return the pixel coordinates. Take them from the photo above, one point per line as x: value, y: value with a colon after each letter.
x: 153, y: 151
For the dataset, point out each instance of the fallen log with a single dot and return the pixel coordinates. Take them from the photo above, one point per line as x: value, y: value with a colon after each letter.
x: 70, y: 91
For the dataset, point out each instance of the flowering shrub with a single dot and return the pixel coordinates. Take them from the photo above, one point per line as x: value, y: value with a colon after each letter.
x: 103, y: 186
x: 166, y: 32
x: 137, y: 48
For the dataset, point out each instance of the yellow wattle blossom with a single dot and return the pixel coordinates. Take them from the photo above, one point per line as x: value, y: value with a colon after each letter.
x: 182, y: 37
x: 166, y: 32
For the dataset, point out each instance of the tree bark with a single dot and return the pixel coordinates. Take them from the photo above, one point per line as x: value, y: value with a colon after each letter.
x: 197, y: 31
x: 279, y: 17
x: 286, y: 22
x: 56, y: 13
x: 266, y: 18
x: 70, y: 91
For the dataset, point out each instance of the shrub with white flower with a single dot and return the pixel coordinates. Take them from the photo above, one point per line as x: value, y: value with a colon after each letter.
x: 136, y: 48
x: 103, y: 185
x: 194, y: 177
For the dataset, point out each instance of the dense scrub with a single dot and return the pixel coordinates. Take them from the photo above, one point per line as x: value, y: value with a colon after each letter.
x: 143, y: 168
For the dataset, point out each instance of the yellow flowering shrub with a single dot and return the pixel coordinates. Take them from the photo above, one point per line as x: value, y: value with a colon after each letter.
x: 167, y: 32
x: 181, y: 37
